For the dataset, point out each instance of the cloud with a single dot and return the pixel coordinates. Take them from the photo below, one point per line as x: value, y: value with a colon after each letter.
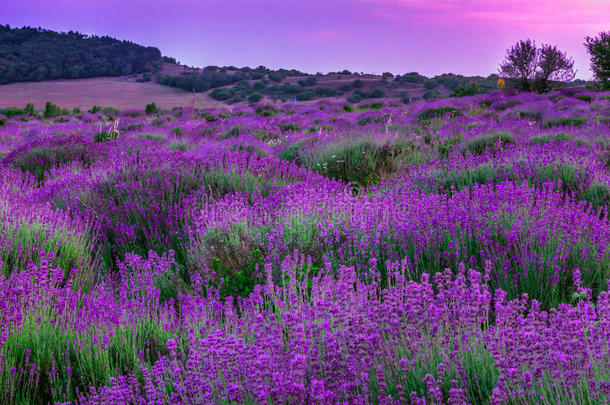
x: 546, y: 14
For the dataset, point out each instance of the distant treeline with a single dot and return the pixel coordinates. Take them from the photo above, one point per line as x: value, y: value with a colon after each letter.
x: 34, y: 54
x: 213, y: 76
x: 231, y: 84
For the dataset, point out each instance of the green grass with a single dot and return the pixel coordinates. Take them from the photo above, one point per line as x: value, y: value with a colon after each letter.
x: 564, y: 122
x: 23, y: 241
x: 39, y: 160
x: 572, y: 179
x: 478, y: 146
x: 533, y: 276
x: 550, y: 138
x: 152, y: 136
x: 55, y: 348
x: 477, y: 363
x: 181, y: 146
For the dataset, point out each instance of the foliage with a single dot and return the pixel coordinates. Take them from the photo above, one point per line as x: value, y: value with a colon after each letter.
x: 438, y: 112
x: 536, y: 68
x: 465, y: 91
x: 31, y: 54
x: 255, y: 97
x: 490, y: 141
x: 151, y: 109
x: 520, y: 63
x: 599, y: 51
x: 553, y: 66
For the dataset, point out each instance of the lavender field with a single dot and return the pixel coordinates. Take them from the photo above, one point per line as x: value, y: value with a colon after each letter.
x: 452, y: 252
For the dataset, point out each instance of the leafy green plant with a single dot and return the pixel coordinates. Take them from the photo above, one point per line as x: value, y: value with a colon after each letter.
x: 51, y: 110
x: 151, y: 109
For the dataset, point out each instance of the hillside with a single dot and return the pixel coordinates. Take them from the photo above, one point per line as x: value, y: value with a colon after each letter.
x: 35, y: 54
x: 121, y: 74
x: 235, y: 85
x: 118, y: 92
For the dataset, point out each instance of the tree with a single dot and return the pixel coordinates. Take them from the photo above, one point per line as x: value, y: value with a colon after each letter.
x: 536, y: 68
x: 520, y: 63
x: 599, y: 50
x: 553, y: 66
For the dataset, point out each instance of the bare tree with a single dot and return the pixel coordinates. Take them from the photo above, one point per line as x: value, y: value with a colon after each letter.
x: 536, y: 68
x: 599, y: 50
x: 520, y: 63
x: 553, y: 66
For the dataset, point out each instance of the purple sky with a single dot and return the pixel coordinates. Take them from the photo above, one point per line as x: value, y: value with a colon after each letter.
x: 429, y: 36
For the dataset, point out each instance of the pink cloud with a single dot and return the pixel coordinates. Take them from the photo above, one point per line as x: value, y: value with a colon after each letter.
x: 539, y: 14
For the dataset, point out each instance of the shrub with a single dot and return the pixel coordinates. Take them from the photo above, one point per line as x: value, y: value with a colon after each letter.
x: 181, y: 146
x: 103, y: 136
x: 259, y: 86
x: 152, y: 136
x: 51, y: 110
x: 235, y: 257
x: 587, y: 98
x: 548, y: 138
x: 360, y: 162
x: 265, y: 111
x: 325, y: 92
x: 310, y: 81
x: 29, y: 109
x: 372, y: 106
x: 432, y: 94
x: 255, y: 97
x: 564, y: 121
x: 305, y: 95
x: 354, y: 98
x: 528, y: 113
x: 151, y: 109
x: 478, y: 146
x: 465, y: 91
x: 438, y: 112
x: 289, y: 127
x: 275, y: 77
x: 231, y: 133
x: 221, y: 94
x: 376, y: 93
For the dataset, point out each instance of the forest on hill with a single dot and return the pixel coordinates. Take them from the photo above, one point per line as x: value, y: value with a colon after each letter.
x: 35, y: 54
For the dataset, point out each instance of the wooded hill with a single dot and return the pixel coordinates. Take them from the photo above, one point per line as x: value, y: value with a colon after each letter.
x: 35, y: 54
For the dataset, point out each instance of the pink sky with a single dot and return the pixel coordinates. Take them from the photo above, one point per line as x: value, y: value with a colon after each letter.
x: 429, y: 36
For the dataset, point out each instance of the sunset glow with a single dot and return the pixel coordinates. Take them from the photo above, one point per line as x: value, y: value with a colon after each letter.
x: 467, y: 37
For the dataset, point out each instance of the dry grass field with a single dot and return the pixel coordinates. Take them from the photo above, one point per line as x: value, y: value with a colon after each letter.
x: 118, y: 92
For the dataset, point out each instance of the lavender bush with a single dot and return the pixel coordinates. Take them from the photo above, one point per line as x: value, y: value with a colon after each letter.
x: 448, y: 252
